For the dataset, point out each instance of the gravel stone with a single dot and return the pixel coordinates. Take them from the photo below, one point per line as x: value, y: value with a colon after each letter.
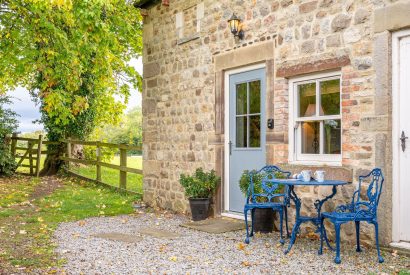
x: 197, y: 252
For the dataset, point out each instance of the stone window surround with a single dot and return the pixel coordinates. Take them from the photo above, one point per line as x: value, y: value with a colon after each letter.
x: 321, y: 159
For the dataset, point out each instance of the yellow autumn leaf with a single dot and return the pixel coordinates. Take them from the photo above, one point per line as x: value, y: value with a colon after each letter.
x: 173, y: 258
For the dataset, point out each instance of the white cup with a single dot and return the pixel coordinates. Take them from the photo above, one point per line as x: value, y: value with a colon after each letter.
x: 320, y: 176
x: 306, y: 175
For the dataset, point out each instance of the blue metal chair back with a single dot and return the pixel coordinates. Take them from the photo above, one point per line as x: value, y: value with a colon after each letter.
x: 267, y: 190
x: 368, y: 207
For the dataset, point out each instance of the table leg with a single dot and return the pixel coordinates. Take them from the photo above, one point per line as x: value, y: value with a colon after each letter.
x: 318, y: 205
x: 295, y: 229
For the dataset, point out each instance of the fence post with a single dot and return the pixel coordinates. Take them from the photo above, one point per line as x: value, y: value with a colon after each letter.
x: 68, y: 152
x: 40, y: 144
x: 98, y: 166
x: 13, y: 144
x: 123, y: 164
x: 30, y: 157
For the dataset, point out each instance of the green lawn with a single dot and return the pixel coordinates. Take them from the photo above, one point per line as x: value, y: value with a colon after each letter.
x: 27, y: 225
x: 111, y: 176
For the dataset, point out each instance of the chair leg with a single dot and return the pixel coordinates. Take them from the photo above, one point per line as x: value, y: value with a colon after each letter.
x: 253, y: 220
x: 376, y: 229
x: 281, y: 226
x: 320, y: 252
x: 358, y: 249
x: 246, y: 226
x: 286, y: 221
x: 337, y: 229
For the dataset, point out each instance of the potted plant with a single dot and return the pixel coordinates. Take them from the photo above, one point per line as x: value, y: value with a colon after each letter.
x: 199, y: 189
x: 264, y: 217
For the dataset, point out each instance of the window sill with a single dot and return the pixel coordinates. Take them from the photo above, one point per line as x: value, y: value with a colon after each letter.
x: 316, y: 163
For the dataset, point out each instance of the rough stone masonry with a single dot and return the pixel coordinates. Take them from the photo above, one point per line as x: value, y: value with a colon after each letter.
x: 183, y: 114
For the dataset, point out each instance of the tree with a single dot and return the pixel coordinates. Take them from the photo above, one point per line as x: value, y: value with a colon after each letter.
x: 8, y: 124
x: 73, y: 56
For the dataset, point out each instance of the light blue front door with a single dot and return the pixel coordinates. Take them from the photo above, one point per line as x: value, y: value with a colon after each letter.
x: 247, y: 130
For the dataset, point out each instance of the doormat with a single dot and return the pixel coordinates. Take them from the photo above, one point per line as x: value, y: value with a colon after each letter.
x: 119, y: 237
x: 216, y: 226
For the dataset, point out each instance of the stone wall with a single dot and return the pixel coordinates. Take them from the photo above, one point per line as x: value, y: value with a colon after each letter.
x: 182, y: 122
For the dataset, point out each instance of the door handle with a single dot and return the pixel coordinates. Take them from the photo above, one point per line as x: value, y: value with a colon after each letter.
x: 230, y: 147
x: 403, y: 141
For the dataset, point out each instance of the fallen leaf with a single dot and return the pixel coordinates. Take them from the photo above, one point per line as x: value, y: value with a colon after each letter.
x: 81, y: 223
x: 245, y: 263
x: 173, y: 258
x: 241, y: 246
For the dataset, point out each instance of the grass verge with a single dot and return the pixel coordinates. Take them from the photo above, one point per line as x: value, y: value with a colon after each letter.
x: 27, y: 224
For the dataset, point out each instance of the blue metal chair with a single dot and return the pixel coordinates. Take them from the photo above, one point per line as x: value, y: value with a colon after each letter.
x: 358, y: 211
x: 263, y: 197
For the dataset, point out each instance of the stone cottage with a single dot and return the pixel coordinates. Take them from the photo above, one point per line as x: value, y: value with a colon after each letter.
x: 318, y: 84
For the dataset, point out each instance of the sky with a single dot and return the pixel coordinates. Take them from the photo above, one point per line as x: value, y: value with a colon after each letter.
x: 29, y: 112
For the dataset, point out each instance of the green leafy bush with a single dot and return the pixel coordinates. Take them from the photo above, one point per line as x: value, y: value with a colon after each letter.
x: 201, y: 184
x: 8, y: 124
x: 245, y: 181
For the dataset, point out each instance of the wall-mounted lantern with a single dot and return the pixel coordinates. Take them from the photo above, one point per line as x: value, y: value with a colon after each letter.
x: 235, y: 26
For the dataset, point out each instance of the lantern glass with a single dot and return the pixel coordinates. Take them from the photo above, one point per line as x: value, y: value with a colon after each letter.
x: 234, y: 24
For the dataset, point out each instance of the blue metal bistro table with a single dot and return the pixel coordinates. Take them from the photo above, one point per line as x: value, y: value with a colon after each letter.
x: 318, y: 204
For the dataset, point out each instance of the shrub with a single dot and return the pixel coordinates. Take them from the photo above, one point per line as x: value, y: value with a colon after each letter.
x: 8, y: 124
x: 201, y: 184
x: 245, y: 181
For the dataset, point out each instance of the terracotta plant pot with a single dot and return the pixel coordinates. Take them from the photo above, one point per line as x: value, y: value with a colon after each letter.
x: 199, y: 208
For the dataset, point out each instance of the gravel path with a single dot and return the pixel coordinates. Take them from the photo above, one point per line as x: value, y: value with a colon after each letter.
x: 198, y: 252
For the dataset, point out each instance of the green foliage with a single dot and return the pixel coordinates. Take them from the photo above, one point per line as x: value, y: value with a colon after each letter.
x: 106, y: 154
x: 129, y: 131
x: 74, y: 57
x: 201, y: 184
x: 8, y: 124
x: 245, y: 181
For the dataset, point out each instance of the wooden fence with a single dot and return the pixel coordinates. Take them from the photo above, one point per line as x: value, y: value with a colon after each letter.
x: 98, y: 163
x: 32, y: 150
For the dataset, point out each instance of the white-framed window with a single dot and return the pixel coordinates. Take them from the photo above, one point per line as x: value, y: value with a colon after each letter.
x: 315, y: 119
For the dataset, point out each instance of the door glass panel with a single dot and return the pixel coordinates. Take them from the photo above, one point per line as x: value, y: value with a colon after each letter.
x: 332, y: 136
x: 307, y: 99
x: 241, y: 99
x: 330, y: 97
x: 310, y: 137
x: 255, y: 131
x: 241, y: 132
x: 255, y: 97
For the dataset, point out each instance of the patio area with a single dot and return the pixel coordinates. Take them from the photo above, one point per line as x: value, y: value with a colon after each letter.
x: 155, y: 242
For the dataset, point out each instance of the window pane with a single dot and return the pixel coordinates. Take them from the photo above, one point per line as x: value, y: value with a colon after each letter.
x: 255, y: 97
x: 310, y: 137
x: 254, y: 131
x: 241, y: 98
x: 307, y: 99
x: 330, y: 97
x: 241, y: 131
x: 332, y: 136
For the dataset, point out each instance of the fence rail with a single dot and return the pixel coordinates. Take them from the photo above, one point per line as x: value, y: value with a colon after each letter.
x: 98, y: 163
x: 33, y: 152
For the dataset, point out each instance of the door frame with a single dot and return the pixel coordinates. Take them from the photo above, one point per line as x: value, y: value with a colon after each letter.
x: 395, y: 134
x: 228, y: 73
